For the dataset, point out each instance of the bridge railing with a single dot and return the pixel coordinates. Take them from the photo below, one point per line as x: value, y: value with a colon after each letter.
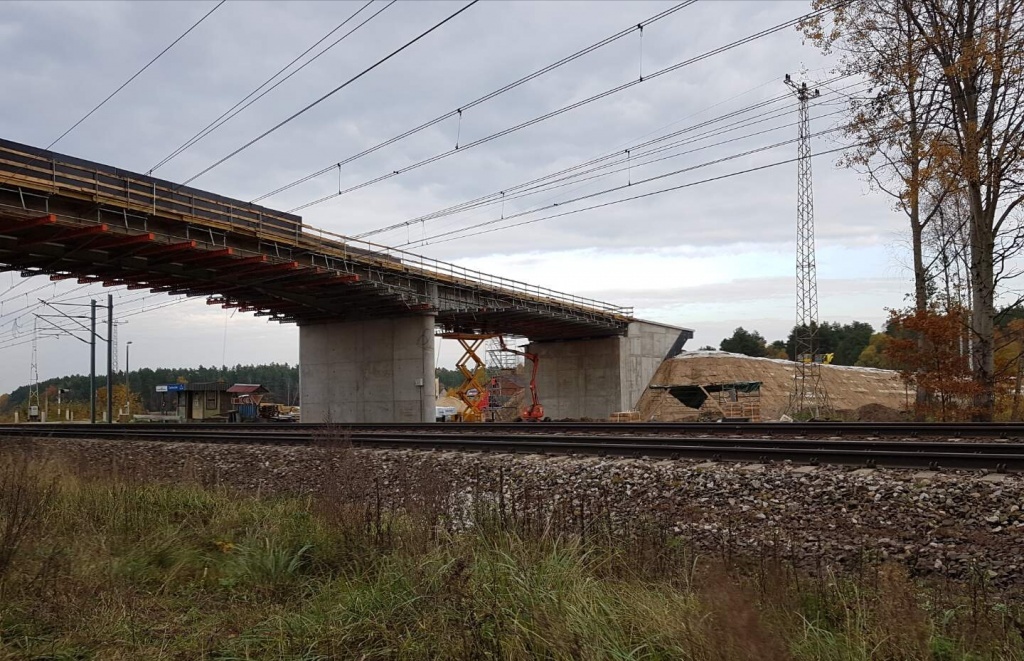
x: 38, y: 169
x: 330, y: 242
x: 60, y: 174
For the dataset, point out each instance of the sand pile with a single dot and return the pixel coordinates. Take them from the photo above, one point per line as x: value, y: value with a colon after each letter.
x: 454, y: 402
x: 512, y: 409
x: 849, y: 388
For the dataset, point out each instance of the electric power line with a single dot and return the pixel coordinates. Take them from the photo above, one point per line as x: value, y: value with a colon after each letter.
x: 627, y: 199
x: 568, y: 108
x: 329, y: 94
x: 136, y: 74
x: 486, y: 97
x: 538, y: 185
x: 231, y: 112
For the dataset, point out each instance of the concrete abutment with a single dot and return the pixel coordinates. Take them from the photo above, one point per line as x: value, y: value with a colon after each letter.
x: 595, y: 377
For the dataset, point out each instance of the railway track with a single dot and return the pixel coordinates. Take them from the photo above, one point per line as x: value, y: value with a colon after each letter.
x: 995, y: 430
x: 612, y: 440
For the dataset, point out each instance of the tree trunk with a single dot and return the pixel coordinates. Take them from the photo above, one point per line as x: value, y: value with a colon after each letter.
x: 983, y: 314
x: 1015, y: 413
x: 920, y: 276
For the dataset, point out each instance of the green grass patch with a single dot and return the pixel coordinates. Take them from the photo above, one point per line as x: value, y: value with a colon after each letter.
x: 101, y: 567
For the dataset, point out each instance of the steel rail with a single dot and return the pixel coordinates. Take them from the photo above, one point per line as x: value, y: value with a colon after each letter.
x: 1009, y: 431
x: 1003, y: 457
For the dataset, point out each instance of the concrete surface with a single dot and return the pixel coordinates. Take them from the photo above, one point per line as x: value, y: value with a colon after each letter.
x: 379, y: 370
x: 594, y: 378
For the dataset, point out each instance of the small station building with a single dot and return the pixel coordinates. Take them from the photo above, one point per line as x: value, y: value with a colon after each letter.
x: 215, y: 401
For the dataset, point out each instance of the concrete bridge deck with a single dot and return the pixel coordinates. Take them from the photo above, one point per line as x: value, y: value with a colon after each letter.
x: 69, y: 218
x: 367, y: 313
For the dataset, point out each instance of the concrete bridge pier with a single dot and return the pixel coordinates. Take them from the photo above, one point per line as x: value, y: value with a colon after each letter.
x: 592, y: 378
x: 379, y: 370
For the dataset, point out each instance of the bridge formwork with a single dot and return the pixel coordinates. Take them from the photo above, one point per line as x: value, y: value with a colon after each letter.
x: 366, y: 313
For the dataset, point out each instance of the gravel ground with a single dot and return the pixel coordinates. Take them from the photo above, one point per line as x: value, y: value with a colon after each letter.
x: 955, y: 524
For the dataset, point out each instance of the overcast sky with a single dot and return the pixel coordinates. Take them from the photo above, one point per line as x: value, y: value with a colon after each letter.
x: 710, y: 257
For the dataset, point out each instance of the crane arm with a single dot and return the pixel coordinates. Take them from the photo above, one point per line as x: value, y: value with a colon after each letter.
x: 533, y: 358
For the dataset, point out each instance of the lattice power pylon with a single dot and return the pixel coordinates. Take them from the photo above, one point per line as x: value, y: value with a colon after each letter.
x: 808, y: 395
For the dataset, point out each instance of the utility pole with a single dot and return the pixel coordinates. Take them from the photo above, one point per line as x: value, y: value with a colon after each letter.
x: 808, y: 394
x: 60, y: 392
x: 110, y: 358
x: 33, y: 384
x: 92, y: 365
x: 91, y: 342
x: 127, y: 380
x: 114, y: 335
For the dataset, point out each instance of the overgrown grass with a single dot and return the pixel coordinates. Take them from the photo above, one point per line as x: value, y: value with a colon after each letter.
x: 107, y: 567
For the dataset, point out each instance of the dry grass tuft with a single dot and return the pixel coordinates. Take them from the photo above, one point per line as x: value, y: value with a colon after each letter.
x: 117, y: 566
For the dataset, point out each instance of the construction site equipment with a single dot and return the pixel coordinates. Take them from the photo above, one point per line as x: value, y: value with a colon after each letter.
x: 818, y: 358
x: 534, y: 412
x: 506, y: 390
x: 473, y: 390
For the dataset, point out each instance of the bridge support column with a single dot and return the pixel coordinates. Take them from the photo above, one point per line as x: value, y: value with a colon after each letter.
x: 380, y: 370
x: 596, y: 377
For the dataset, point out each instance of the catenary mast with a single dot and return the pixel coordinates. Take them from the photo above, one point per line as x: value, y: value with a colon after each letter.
x: 808, y: 396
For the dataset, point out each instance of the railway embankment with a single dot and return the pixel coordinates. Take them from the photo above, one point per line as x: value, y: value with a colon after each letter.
x: 965, y: 525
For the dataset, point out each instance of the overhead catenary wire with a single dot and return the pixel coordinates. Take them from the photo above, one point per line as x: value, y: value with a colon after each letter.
x: 26, y: 293
x: 63, y: 299
x: 578, y: 178
x: 626, y: 186
x: 124, y: 84
x: 483, y: 99
x: 11, y: 343
x: 623, y: 156
x: 508, y: 190
x: 632, y: 163
x: 567, y: 108
x: 57, y: 297
x: 159, y: 306
x: 329, y: 94
x: 22, y: 342
x: 136, y: 74
x: 235, y: 110
x: 562, y: 203
x: 607, y: 160
x: 8, y: 292
x: 691, y: 184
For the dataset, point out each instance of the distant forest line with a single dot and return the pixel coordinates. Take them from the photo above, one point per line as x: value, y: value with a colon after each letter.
x: 282, y: 380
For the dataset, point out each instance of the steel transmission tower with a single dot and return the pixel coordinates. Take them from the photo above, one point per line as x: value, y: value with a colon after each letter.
x: 808, y: 394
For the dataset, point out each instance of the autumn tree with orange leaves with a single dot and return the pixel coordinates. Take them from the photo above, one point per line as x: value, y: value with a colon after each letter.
x: 942, y: 368
x: 959, y: 64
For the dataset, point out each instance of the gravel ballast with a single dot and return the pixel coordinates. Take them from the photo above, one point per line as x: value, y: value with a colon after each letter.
x: 955, y: 524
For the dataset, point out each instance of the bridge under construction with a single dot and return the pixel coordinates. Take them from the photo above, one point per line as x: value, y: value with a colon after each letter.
x: 367, y: 314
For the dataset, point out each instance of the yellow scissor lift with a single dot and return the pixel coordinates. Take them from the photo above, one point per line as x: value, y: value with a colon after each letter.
x: 473, y: 390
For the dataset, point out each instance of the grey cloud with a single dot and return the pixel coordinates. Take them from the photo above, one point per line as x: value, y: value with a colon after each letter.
x: 92, y: 47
